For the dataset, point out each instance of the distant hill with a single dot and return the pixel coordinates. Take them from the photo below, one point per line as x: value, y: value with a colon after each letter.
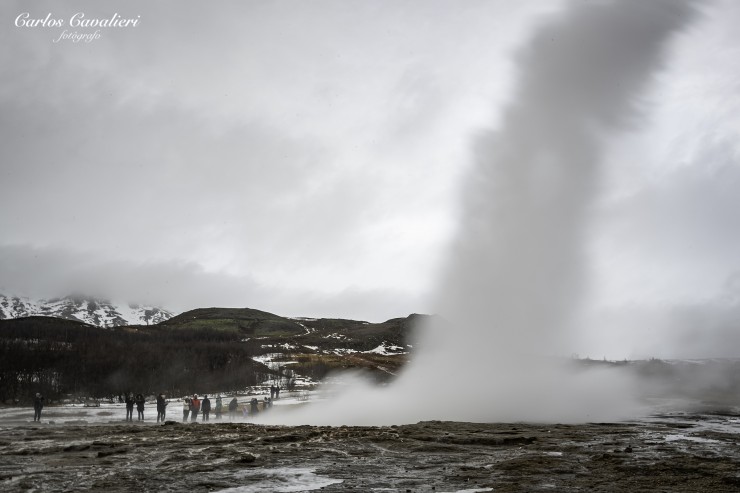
x: 246, y: 321
x: 313, y: 333
x: 93, y: 311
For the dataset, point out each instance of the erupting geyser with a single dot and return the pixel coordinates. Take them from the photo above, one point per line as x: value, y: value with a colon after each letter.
x: 513, y: 284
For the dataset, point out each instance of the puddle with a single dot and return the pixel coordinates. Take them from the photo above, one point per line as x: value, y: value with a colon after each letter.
x: 673, y: 438
x: 280, y: 480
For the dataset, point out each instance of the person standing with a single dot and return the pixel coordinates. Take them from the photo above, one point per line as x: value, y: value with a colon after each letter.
x: 185, y: 409
x: 38, y: 405
x: 272, y: 391
x: 129, y: 407
x: 219, y: 407
x: 206, y: 407
x: 140, y: 406
x: 253, y: 404
x: 232, y: 409
x: 277, y: 392
x: 161, y: 407
x: 194, y: 408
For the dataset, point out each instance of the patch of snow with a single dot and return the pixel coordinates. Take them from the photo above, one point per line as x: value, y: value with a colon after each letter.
x: 17, y: 306
x: 341, y: 351
x: 88, y: 310
x: 279, y: 346
x: 265, y: 359
x: 387, y: 349
x: 308, y: 331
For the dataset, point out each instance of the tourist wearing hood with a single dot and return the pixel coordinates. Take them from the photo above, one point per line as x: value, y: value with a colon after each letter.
x: 161, y: 407
x: 38, y: 405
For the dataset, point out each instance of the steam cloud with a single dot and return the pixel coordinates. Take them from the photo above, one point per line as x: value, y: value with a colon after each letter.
x: 515, y: 279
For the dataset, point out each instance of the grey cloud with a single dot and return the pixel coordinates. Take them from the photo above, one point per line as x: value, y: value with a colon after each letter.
x: 682, y: 228
x: 180, y: 286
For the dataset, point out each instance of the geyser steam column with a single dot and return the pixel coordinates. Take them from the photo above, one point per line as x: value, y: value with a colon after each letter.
x: 514, y: 280
x: 515, y: 277
x: 516, y: 271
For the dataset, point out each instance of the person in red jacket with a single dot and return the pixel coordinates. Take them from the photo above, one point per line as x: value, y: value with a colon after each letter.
x: 194, y: 408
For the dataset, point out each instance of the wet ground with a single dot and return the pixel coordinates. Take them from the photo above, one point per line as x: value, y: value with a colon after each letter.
x: 676, y: 452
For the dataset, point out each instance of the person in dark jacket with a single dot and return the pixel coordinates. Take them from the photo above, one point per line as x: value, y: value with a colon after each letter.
x: 129, y: 407
x: 38, y: 405
x: 140, y: 406
x: 232, y: 408
x: 161, y: 407
x: 205, y: 407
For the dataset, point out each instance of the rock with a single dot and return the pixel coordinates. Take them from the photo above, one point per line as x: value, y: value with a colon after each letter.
x: 246, y: 459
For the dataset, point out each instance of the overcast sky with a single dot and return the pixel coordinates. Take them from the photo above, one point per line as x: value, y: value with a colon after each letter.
x: 306, y: 158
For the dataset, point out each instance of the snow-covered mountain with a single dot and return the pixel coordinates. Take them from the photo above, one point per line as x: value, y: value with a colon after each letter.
x: 85, y: 309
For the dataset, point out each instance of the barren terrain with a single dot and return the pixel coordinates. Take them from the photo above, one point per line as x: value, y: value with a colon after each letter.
x: 678, y: 452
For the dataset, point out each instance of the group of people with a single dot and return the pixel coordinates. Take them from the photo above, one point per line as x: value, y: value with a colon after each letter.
x: 274, y: 392
x: 139, y: 401
x: 192, y: 406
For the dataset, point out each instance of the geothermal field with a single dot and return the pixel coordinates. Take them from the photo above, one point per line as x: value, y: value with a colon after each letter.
x: 78, y: 448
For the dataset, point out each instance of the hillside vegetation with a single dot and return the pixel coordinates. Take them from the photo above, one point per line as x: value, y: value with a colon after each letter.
x: 200, y: 351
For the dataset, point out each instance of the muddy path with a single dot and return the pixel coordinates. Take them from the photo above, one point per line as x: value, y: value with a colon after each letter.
x: 679, y: 453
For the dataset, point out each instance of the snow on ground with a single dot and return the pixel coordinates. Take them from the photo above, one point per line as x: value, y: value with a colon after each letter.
x: 344, y: 351
x: 270, y: 360
x: 308, y: 330
x: 96, y: 312
x: 280, y: 346
x: 387, y: 349
x: 15, y: 307
x: 336, y: 336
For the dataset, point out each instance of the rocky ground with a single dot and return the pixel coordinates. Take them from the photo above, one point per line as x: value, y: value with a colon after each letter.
x: 668, y: 453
